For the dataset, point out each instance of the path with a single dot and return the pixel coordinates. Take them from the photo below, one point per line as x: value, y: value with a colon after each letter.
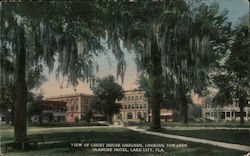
x: 58, y: 128
x: 206, y: 128
x: 204, y: 141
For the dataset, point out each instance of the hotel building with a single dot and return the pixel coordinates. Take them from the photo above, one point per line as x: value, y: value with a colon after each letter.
x: 77, y: 105
x: 134, y: 107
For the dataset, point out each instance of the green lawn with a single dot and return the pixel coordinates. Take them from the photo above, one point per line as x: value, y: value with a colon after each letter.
x: 67, y: 124
x: 229, y: 136
x: 197, y: 124
x: 56, y: 142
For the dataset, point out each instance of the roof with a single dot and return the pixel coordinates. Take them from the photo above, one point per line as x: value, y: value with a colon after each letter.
x: 165, y: 112
x: 45, y: 102
x: 70, y: 95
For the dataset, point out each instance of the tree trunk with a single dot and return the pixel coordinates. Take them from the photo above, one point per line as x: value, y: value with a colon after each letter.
x: 184, y: 109
x: 12, y: 114
x: 109, y: 118
x: 242, y: 100
x: 40, y: 116
x: 183, y: 103
x: 20, y: 131
x: 155, y: 75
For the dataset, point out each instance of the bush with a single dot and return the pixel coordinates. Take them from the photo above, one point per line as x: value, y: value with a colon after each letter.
x: 194, y: 112
x: 76, y: 119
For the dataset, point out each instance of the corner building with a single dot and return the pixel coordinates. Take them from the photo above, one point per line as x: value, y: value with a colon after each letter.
x: 77, y: 105
x: 134, y: 108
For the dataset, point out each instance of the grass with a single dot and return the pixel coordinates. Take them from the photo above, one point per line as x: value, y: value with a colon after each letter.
x: 67, y: 124
x: 208, y: 124
x: 56, y: 142
x: 196, y: 124
x: 229, y: 136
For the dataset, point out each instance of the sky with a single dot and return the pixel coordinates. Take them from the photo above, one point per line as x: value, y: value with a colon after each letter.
x: 107, y: 64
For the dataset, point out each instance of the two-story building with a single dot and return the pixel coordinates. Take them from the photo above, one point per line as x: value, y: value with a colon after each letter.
x: 229, y: 112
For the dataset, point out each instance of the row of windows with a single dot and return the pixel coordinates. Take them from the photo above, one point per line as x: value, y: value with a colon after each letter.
x: 72, y: 101
x: 86, y: 101
x: 131, y: 98
x: 139, y: 115
x: 55, y: 108
x: 227, y: 114
x: 73, y: 108
x: 76, y: 108
x: 134, y: 106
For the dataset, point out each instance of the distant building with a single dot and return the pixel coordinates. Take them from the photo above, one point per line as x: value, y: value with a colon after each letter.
x: 78, y: 105
x: 230, y: 112
x: 167, y: 115
x: 134, y: 107
x: 54, y: 111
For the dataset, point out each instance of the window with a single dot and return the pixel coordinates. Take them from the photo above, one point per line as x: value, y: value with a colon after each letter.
x: 85, y: 107
x: 237, y: 114
x: 76, y: 107
x: 139, y: 115
x: 228, y: 114
x: 125, y: 106
x: 140, y: 106
x: 132, y: 97
x: 129, y: 115
x: 133, y: 106
x: 72, y: 108
x: 129, y: 106
x: 207, y: 114
x: 137, y: 106
x: 223, y: 115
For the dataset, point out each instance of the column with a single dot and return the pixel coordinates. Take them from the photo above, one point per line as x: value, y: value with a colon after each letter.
x: 246, y: 114
x: 231, y: 114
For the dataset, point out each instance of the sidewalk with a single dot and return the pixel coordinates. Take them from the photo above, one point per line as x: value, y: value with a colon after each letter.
x: 204, y: 141
x: 206, y: 128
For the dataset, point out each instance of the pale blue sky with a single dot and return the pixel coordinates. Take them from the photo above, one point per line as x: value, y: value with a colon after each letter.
x: 236, y: 8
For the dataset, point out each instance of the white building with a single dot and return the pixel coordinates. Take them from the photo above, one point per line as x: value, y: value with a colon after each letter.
x: 230, y: 112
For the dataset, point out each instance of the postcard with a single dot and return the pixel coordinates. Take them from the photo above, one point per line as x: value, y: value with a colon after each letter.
x: 125, y: 77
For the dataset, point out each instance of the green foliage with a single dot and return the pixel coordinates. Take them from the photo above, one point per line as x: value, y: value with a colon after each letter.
x: 77, y: 119
x: 108, y: 92
x: 234, y: 81
x: 64, y: 29
x: 88, y: 116
x: 35, y: 105
x: 233, y: 77
x: 194, y: 111
x: 144, y: 84
x: 191, y: 38
x: 238, y: 61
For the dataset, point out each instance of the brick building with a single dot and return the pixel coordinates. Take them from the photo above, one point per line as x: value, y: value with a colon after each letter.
x: 77, y: 106
x: 167, y: 115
